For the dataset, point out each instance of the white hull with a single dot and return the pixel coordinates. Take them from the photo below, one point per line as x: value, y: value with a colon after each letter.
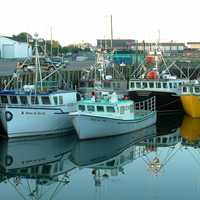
x: 88, y: 126
x: 35, y: 121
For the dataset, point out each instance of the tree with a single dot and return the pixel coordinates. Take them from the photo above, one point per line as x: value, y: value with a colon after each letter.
x: 22, y: 37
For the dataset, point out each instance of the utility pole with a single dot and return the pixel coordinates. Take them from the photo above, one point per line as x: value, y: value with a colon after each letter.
x: 51, y: 44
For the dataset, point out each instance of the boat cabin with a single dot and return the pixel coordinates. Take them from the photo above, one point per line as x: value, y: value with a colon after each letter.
x: 106, y: 107
x: 109, y: 85
x: 155, y: 85
x: 190, y: 89
x: 43, y: 99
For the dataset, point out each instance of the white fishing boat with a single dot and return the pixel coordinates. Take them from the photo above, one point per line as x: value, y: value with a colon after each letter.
x: 37, y: 109
x: 110, y: 116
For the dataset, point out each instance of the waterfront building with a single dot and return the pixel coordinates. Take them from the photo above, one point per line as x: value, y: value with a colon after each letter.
x: 11, y: 49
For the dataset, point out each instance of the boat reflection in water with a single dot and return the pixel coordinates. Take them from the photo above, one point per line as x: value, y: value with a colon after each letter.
x: 107, y: 156
x: 37, y: 165
x: 33, y: 166
x: 190, y: 131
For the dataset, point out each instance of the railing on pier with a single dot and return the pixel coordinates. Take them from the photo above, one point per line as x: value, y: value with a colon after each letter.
x: 146, y: 106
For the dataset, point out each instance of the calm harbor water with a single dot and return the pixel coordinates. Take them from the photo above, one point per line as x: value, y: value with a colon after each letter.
x: 159, y: 162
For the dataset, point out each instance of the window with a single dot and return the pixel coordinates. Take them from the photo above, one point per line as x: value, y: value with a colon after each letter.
x: 46, y: 169
x: 144, y: 84
x: 13, y: 100
x: 81, y: 107
x: 132, y: 84
x: 34, y: 100
x: 175, y: 85
x: 91, y: 84
x: 23, y: 100
x: 164, y: 85
x: 197, y: 89
x: 191, y: 89
x: 45, y: 100
x: 60, y: 100
x: 170, y: 85
x: 90, y: 108
x: 4, y: 99
x: 55, y: 99
x: 110, y: 109
x: 122, y: 110
x: 100, y: 108
x: 138, y: 85
x: 151, y: 84
x: 107, y: 84
x: 159, y: 85
x: 131, y: 108
x: 184, y: 89
x: 115, y: 85
x: 164, y: 140
x: 118, y: 85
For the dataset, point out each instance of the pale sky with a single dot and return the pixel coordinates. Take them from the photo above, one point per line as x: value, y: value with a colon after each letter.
x: 87, y: 20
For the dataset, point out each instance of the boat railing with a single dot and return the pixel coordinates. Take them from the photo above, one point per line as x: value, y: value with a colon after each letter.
x: 146, y: 106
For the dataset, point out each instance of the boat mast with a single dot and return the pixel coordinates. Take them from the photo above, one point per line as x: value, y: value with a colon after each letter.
x: 37, y: 64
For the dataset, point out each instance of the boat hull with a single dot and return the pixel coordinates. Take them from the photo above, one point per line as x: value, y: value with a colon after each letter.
x: 191, y: 105
x: 29, y: 121
x: 165, y: 101
x: 88, y: 126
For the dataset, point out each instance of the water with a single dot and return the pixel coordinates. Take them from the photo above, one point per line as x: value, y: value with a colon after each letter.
x: 160, y: 162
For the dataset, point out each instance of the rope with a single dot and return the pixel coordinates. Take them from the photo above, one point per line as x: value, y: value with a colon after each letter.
x: 167, y: 103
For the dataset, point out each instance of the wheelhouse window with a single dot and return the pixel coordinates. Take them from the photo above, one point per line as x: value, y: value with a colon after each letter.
x: 81, y: 107
x: 91, y: 84
x: 184, y: 89
x: 45, y: 100
x: 90, y: 108
x: 110, y: 109
x: 55, y: 99
x: 107, y: 85
x: 131, y: 108
x: 175, y: 85
x: 138, y: 85
x: 151, y: 84
x: 191, y: 89
x: 100, y: 109
x: 122, y: 110
x: 158, y: 85
x: 164, y: 85
x: 13, y: 99
x: 4, y: 99
x: 132, y: 84
x: 170, y: 85
x: 118, y: 85
x: 197, y: 89
x: 23, y: 100
x: 61, y: 100
x: 34, y: 100
x: 144, y: 84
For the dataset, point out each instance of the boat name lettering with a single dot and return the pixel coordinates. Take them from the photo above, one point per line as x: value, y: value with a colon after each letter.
x: 33, y: 113
x: 98, y: 120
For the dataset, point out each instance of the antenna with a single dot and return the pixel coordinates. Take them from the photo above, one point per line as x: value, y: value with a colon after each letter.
x: 111, y: 31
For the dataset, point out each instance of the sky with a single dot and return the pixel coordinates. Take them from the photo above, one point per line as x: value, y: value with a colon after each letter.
x: 74, y: 21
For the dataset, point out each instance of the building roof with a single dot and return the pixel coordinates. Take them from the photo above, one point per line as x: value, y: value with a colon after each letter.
x: 193, y: 42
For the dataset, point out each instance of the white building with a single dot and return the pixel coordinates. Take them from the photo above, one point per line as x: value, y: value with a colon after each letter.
x: 13, y: 49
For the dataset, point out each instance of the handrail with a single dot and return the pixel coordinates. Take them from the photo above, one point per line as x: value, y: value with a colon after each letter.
x: 146, y: 105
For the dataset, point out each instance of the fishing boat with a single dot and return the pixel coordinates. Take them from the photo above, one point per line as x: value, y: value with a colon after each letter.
x: 109, y: 115
x: 190, y: 98
x: 152, y: 79
x: 37, y: 108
